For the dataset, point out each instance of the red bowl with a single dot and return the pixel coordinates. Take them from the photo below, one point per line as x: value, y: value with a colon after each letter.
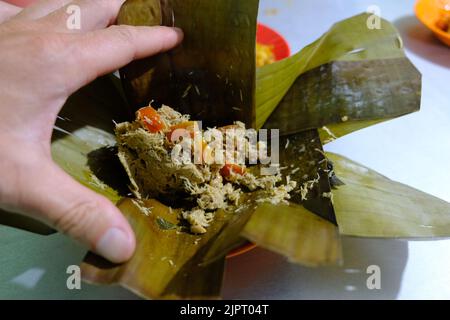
x: 266, y: 36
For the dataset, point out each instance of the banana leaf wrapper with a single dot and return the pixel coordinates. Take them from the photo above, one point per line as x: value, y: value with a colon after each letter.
x: 345, y: 96
x: 83, y: 138
x: 211, y: 76
x: 309, y: 240
x: 366, y: 47
x: 350, y: 78
x: 347, y: 80
x: 286, y: 228
x: 323, y: 252
x: 371, y: 205
x: 167, y: 263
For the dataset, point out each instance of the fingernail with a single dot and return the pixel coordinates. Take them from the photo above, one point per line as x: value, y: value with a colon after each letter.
x: 115, y: 245
x: 178, y: 31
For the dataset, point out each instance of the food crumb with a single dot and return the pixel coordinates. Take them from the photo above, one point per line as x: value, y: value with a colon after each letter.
x: 328, y: 195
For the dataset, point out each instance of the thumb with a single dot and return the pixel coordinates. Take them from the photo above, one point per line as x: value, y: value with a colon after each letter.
x: 80, y: 213
x: 8, y: 11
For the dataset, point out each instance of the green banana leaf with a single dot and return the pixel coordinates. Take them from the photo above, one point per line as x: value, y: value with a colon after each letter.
x: 166, y: 263
x: 303, y: 229
x: 371, y: 205
x: 350, y: 78
x: 327, y: 251
x: 84, y: 135
x: 211, y: 76
x: 345, y: 96
x: 303, y: 158
x: 295, y: 232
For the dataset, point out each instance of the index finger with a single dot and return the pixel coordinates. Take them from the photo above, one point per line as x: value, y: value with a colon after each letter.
x: 103, y: 51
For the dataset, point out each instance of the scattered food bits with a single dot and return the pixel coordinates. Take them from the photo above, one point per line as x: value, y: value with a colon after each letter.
x: 331, y: 134
x: 328, y: 195
x: 146, y: 151
x: 287, y: 144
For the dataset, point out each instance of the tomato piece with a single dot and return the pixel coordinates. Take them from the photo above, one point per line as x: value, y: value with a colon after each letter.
x: 229, y: 169
x: 150, y: 119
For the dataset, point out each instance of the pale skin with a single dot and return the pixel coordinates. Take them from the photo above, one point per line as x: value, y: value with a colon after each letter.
x: 41, y: 64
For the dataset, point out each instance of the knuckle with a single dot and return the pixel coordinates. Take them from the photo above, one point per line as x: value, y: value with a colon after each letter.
x: 45, y: 44
x: 77, y: 219
x: 125, y: 33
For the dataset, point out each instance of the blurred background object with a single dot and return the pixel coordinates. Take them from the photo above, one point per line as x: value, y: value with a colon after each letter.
x: 435, y: 15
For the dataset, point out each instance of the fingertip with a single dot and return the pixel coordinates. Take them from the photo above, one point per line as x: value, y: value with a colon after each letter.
x: 179, y: 32
x: 116, y: 244
x: 113, y: 238
x: 170, y: 37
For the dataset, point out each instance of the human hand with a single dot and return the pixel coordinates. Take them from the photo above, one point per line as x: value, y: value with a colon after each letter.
x: 42, y: 62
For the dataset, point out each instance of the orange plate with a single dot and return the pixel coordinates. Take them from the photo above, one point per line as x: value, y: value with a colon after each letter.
x: 429, y: 12
x: 267, y: 36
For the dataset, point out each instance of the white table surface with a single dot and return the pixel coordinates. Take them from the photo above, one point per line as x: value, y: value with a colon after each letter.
x: 414, y: 150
